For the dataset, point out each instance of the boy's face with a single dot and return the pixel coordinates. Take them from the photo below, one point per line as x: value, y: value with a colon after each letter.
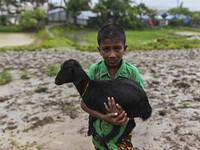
x: 112, y: 51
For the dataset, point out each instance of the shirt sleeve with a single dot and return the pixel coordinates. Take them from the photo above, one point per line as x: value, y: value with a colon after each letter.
x: 91, y: 72
x: 138, y: 78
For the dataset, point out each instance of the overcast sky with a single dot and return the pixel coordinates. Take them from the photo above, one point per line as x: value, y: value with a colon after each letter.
x: 163, y: 4
x: 166, y: 4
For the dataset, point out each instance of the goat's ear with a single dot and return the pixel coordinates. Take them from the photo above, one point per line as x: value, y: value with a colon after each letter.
x: 67, y: 63
x: 78, y: 74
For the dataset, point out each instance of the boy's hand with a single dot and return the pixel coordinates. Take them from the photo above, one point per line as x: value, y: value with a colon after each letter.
x: 121, y: 119
x: 112, y: 107
x: 116, y: 114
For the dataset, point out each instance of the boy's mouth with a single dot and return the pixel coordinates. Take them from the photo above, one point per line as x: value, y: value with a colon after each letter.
x: 112, y: 61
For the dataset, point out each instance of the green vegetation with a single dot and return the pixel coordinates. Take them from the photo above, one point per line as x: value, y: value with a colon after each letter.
x: 25, y: 75
x: 3, y: 19
x: 52, y: 70
x: 146, y: 39
x: 136, y: 40
x: 41, y: 146
x: 75, y: 7
x: 17, y: 146
x: 32, y: 19
x: 5, y: 77
x: 10, y: 28
x: 187, y: 103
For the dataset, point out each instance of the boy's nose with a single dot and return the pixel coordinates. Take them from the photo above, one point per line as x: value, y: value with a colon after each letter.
x: 112, y: 54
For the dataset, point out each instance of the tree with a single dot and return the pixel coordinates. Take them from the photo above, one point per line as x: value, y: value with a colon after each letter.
x: 142, y: 10
x: 37, y: 3
x: 75, y: 7
x: 180, y: 10
x: 12, y: 7
x: 130, y: 21
x: 195, y: 17
x: 32, y: 19
x: 101, y: 12
x: 51, y: 6
x: 114, y: 10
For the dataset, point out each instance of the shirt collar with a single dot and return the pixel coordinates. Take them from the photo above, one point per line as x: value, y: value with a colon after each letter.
x: 104, y: 69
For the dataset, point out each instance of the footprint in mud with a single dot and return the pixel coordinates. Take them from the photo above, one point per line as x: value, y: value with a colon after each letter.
x: 11, y: 126
x: 44, y: 121
x: 4, y: 98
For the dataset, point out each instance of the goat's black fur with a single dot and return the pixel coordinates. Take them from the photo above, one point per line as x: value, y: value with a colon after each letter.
x: 127, y: 93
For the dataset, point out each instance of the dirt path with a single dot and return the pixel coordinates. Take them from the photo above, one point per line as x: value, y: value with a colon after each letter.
x: 37, y: 114
x: 47, y: 28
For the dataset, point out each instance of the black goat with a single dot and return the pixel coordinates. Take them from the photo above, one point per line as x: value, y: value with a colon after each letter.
x: 127, y: 93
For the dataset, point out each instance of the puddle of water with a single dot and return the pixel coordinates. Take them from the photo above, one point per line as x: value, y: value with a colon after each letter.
x: 186, y: 33
x: 15, y: 39
x: 76, y: 37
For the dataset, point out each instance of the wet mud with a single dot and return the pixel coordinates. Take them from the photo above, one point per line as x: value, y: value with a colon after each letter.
x: 35, y: 113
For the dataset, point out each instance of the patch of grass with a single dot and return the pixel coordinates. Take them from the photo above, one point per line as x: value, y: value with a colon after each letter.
x: 25, y: 75
x: 145, y: 39
x: 41, y: 146
x: 13, y: 102
x: 74, y: 107
x: 14, y: 143
x: 52, y: 70
x: 10, y: 28
x: 71, y: 107
x: 187, y: 103
x: 136, y: 40
x: 5, y: 77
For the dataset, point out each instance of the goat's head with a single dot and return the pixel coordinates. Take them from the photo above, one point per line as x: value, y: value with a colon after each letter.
x: 66, y: 73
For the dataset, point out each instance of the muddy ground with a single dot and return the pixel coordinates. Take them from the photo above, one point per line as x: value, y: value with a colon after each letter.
x: 37, y: 114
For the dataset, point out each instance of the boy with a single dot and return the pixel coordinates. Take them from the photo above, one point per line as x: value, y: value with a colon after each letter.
x: 111, y: 39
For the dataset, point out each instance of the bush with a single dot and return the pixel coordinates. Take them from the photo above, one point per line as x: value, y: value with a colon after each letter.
x: 4, y: 20
x: 11, y: 28
x: 52, y: 70
x: 5, y: 77
x: 32, y: 19
x: 176, y: 22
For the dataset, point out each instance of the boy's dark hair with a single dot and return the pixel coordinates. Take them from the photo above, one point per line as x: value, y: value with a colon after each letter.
x: 111, y: 31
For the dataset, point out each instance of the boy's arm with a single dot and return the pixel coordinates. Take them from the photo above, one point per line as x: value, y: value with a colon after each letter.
x: 111, y: 117
x: 116, y: 115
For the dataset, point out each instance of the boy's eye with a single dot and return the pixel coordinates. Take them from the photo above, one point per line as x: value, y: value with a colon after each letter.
x: 105, y: 49
x: 117, y: 48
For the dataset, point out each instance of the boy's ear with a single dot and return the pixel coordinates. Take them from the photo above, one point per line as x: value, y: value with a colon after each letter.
x: 99, y: 50
x: 125, y: 46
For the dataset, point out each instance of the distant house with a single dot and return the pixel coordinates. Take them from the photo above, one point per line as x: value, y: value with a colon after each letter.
x: 84, y: 18
x: 146, y: 19
x: 60, y: 15
x: 177, y: 16
x: 57, y: 15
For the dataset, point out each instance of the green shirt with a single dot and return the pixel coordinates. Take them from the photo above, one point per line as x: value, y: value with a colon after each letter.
x: 99, y: 71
